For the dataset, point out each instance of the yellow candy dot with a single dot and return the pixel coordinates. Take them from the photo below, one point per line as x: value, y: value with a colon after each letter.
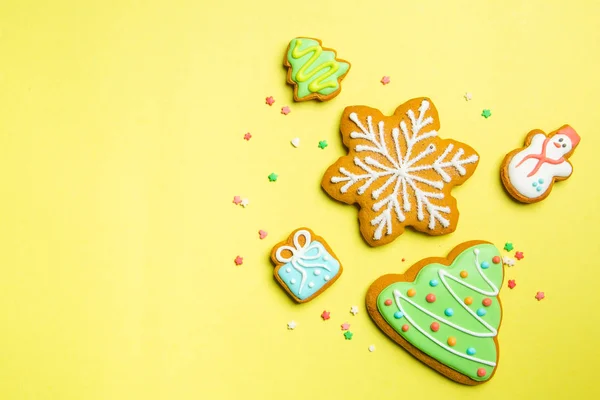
x: 468, y: 301
x: 411, y: 292
x: 464, y: 274
x: 451, y: 341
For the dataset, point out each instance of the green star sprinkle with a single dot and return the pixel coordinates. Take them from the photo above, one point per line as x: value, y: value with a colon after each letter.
x: 486, y: 113
x: 323, y: 144
x: 272, y: 177
x: 348, y: 335
x: 508, y: 246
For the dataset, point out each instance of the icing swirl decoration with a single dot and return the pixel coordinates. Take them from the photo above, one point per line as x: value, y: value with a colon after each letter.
x: 314, y: 70
x: 452, y: 325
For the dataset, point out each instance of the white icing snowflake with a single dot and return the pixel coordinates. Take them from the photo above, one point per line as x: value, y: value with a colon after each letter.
x: 400, y: 170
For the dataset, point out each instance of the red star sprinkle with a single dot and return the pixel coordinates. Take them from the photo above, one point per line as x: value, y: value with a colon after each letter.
x: 262, y: 234
x: 238, y: 260
x: 247, y: 136
x: 325, y: 315
x: 285, y: 110
x: 270, y: 100
x: 511, y: 284
x: 237, y: 200
x: 519, y: 255
x: 345, y: 326
x: 539, y: 296
x: 385, y: 80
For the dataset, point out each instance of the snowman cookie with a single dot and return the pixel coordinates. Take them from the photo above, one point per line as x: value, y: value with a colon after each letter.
x: 528, y: 173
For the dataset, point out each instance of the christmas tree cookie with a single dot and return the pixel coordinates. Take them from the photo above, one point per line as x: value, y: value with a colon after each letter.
x: 445, y: 311
x: 314, y: 70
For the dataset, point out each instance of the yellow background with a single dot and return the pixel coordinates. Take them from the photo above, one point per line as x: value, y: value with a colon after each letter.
x: 121, y: 126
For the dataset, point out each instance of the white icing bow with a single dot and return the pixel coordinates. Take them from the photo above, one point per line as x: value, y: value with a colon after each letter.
x: 299, y: 255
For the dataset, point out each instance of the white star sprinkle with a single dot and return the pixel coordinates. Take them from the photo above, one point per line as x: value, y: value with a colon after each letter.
x: 354, y: 310
x: 245, y: 203
x: 291, y: 325
x: 508, y: 261
x: 468, y: 96
x: 372, y: 348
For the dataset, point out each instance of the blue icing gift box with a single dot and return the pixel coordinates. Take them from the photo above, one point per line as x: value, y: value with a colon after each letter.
x: 308, y: 268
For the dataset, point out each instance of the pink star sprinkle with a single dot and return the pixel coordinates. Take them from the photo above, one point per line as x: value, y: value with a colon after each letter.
x: 270, y: 100
x: 511, y: 284
x: 247, y: 136
x: 540, y: 295
x: 385, y: 80
x: 345, y: 326
x: 238, y: 260
x: 237, y: 200
x: 325, y: 315
x: 519, y: 255
x: 285, y: 110
x: 262, y: 234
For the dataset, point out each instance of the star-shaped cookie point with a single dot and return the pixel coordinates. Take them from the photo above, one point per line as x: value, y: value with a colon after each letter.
x: 354, y: 310
x: 385, y: 80
x: 345, y: 326
x: 348, y: 335
x: 486, y: 113
x: 291, y: 325
x: 238, y: 260
x: 270, y: 100
x: 325, y: 315
x: 237, y: 200
x: 519, y: 255
x: 247, y: 136
x: 511, y: 284
x: 323, y: 144
x: 540, y: 295
x: 273, y: 177
x: 508, y: 246
x: 285, y: 110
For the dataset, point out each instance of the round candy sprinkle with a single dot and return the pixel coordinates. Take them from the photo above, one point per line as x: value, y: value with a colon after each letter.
x: 464, y: 274
x: 468, y: 301
x: 388, y: 302
x: 449, y: 312
x: 411, y: 292
x: 481, y: 312
x: 311, y: 284
x: 481, y: 372
x: 317, y: 272
x: 486, y: 302
x: 293, y: 281
x: 435, y: 326
x: 433, y: 283
x: 471, y: 351
x: 398, y: 315
x: 405, y: 328
x: 451, y: 341
x: 485, y: 265
x: 430, y: 298
x: 496, y: 260
x: 326, y: 277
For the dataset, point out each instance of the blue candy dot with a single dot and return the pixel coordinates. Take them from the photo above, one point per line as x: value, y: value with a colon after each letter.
x: 539, y: 188
x: 471, y: 351
x: 485, y: 265
x: 398, y: 315
x: 449, y: 312
x: 534, y: 184
x: 540, y: 180
x: 433, y: 282
x: 481, y: 312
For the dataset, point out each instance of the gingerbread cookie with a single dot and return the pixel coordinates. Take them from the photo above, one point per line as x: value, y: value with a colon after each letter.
x: 445, y: 311
x: 305, y: 265
x: 528, y: 173
x: 399, y: 171
x: 314, y: 70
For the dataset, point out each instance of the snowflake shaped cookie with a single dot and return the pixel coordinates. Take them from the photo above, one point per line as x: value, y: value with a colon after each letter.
x: 399, y: 171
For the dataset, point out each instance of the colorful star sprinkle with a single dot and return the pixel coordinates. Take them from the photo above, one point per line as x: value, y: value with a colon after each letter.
x: 508, y: 261
x: 348, y: 335
x: 325, y: 315
x: 238, y: 260
x: 247, y: 136
x: 540, y: 295
x: 486, y: 113
x: 385, y: 80
x: 354, y: 310
x: 345, y: 326
x: 508, y: 246
x: 519, y: 255
x: 291, y: 325
x: 295, y: 142
x: 270, y: 100
x: 285, y: 110
x: 511, y: 284
x: 237, y: 200
x: 372, y: 348
x: 272, y: 177
x: 323, y: 144
x: 468, y: 96
x: 262, y: 234
x: 244, y: 203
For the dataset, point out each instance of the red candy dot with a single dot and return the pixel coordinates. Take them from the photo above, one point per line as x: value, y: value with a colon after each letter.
x: 388, y: 302
x: 496, y: 260
x: 486, y: 302
x: 430, y: 298
x: 405, y: 328
x: 435, y: 326
x: 481, y: 372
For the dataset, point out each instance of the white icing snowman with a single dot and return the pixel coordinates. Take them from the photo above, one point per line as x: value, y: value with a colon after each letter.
x: 532, y: 170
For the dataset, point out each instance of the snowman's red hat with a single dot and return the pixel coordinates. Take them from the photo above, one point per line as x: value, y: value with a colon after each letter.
x: 571, y: 134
